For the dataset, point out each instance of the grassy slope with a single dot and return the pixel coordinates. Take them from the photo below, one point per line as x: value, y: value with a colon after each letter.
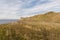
x: 39, y: 27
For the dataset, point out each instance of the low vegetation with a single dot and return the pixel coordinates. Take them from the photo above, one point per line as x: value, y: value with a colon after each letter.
x: 39, y: 27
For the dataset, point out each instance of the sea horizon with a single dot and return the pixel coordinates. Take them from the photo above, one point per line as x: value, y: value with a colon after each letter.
x: 4, y: 21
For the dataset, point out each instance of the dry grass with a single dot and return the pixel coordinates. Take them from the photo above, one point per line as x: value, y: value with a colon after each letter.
x: 39, y: 27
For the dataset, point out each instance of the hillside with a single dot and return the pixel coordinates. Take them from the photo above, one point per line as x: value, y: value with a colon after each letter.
x: 39, y: 27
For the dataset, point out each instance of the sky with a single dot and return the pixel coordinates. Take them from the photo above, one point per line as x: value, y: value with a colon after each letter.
x: 14, y: 9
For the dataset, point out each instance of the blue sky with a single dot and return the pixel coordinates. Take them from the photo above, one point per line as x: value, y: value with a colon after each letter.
x: 14, y: 9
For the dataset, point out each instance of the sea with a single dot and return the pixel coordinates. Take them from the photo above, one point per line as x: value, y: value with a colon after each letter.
x: 4, y: 21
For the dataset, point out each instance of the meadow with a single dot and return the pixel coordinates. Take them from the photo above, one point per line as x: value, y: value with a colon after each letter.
x: 39, y: 27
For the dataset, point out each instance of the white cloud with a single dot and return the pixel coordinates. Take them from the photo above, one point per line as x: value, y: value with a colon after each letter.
x: 44, y: 7
x: 13, y: 9
x: 8, y: 11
